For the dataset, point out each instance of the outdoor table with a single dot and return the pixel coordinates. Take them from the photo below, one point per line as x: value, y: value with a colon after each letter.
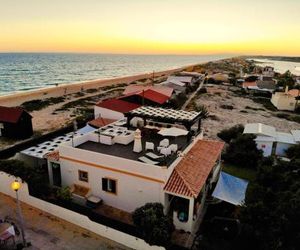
x: 6, y: 231
x: 93, y: 201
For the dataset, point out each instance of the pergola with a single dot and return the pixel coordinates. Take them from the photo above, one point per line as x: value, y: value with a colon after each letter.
x: 172, y: 116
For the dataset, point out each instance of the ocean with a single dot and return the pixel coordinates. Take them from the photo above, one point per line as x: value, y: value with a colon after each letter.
x: 28, y: 71
x: 280, y: 66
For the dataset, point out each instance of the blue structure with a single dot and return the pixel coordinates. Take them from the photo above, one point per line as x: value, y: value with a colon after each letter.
x: 230, y: 189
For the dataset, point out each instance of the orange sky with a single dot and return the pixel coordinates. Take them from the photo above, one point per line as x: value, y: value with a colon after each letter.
x: 147, y: 27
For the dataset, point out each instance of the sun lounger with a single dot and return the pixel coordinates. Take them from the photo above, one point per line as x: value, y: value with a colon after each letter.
x: 147, y: 160
x: 154, y: 156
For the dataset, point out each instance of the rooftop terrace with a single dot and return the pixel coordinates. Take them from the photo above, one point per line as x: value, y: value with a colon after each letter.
x: 126, y: 150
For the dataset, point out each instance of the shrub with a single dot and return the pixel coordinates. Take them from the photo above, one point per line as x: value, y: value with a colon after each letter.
x: 232, y: 133
x: 226, y: 106
x: 155, y: 227
x: 64, y: 194
x: 293, y: 152
x: 243, y: 152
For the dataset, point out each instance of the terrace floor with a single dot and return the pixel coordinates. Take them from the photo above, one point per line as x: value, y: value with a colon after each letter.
x: 126, y: 151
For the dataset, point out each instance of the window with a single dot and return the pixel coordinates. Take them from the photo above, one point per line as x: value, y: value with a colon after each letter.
x: 109, y: 185
x: 83, y: 176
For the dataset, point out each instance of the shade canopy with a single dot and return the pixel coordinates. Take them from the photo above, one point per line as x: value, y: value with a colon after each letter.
x: 173, y: 131
x: 230, y: 189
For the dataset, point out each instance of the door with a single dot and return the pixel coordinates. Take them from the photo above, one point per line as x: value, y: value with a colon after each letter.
x: 56, y: 174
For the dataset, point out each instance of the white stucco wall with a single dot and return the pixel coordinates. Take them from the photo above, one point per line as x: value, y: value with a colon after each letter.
x: 73, y: 217
x: 107, y: 113
x: 137, y: 182
x: 265, y: 146
x: 283, y: 102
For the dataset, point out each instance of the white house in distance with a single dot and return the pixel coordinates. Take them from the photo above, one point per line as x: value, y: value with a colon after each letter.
x: 268, y: 71
x: 270, y: 141
x: 175, y: 171
x: 285, y: 100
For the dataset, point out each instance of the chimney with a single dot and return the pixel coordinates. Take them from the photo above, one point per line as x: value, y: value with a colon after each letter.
x: 286, y: 89
x: 137, y: 147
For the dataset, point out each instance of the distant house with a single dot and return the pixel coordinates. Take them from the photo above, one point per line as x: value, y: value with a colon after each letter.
x: 285, y: 100
x: 268, y: 71
x: 270, y: 141
x: 113, y: 109
x: 15, y: 123
x: 246, y: 85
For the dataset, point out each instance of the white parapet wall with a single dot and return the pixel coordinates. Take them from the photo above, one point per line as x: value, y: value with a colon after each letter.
x: 73, y: 217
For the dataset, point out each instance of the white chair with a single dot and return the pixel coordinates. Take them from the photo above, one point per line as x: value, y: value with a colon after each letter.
x: 164, y: 143
x: 149, y: 146
x: 174, y: 148
x: 165, y: 151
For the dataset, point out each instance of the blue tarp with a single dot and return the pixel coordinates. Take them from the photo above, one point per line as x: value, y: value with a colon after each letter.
x: 230, y: 189
x: 86, y: 129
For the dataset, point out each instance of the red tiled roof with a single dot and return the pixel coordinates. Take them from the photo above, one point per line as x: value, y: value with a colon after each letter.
x: 249, y: 84
x: 118, y: 105
x: 134, y: 89
x: 154, y: 96
x: 101, y: 122
x: 53, y: 156
x: 294, y: 92
x: 191, y: 173
x: 10, y: 114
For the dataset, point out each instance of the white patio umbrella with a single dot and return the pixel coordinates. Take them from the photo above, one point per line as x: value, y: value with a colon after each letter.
x: 173, y: 131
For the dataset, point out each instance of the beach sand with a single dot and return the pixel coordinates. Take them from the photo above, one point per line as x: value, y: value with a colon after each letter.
x: 66, y: 89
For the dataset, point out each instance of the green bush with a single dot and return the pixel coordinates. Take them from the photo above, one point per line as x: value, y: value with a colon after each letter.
x: 155, y: 227
x: 243, y: 152
x: 64, y: 194
x: 232, y: 133
x: 36, y: 178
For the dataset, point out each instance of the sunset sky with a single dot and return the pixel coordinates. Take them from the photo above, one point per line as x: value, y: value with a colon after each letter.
x: 268, y: 27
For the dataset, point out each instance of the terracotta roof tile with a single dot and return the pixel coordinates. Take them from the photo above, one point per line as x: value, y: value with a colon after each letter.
x: 249, y: 84
x: 100, y: 122
x: 118, y: 105
x: 10, y: 114
x: 133, y: 89
x: 52, y: 156
x: 191, y: 173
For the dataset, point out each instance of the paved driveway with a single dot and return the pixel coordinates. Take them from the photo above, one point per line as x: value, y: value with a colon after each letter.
x: 46, y: 231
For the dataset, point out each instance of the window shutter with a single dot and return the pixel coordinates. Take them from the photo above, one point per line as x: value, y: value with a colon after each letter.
x: 104, y: 184
x: 113, y: 186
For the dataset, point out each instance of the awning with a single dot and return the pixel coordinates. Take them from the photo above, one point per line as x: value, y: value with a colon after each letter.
x: 86, y: 129
x: 230, y: 189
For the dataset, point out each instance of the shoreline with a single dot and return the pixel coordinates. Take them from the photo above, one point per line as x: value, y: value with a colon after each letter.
x: 16, y: 99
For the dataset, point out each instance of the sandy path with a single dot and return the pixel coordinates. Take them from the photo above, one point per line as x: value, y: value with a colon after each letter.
x: 46, y: 120
x: 225, y: 118
x: 46, y: 231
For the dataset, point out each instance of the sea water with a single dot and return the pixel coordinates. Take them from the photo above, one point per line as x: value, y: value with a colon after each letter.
x: 27, y: 71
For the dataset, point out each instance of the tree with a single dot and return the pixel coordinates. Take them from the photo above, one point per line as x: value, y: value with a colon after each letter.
x: 293, y: 152
x: 271, y: 215
x: 156, y: 227
x: 286, y: 79
x: 232, y: 133
x: 36, y: 178
x: 242, y: 151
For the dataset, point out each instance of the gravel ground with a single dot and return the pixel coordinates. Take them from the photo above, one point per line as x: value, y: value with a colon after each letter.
x: 221, y: 118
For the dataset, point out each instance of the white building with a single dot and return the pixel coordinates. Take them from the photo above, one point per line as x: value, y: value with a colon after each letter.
x: 176, y: 172
x: 270, y: 141
x: 268, y: 71
x: 113, y: 109
x: 284, y: 100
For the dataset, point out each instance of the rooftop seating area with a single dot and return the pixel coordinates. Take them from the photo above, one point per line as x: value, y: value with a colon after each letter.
x: 154, y: 136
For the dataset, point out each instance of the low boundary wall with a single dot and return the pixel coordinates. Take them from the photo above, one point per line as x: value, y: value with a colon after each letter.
x: 72, y: 217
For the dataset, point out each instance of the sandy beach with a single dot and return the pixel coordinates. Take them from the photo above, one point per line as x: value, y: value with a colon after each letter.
x: 66, y: 89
